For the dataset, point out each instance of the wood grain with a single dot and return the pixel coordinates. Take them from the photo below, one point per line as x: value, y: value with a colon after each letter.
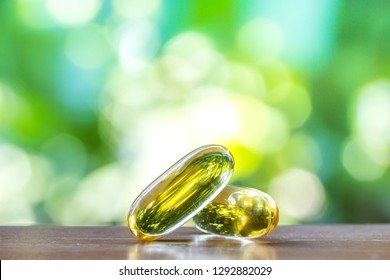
x: 286, y: 242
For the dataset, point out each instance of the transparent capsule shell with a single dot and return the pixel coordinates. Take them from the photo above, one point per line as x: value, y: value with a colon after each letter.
x: 180, y: 192
x: 239, y: 212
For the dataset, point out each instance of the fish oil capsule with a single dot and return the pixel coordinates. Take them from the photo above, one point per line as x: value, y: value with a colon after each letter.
x: 180, y: 192
x: 238, y: 212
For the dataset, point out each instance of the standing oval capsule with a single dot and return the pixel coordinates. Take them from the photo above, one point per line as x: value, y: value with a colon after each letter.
x: 180, y: 192
x: 239, y: 212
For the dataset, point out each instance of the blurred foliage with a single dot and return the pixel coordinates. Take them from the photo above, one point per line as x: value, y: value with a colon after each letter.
x: 97, y: 98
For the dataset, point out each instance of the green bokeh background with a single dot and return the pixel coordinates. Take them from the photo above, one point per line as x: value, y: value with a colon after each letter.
x: 97, y: 98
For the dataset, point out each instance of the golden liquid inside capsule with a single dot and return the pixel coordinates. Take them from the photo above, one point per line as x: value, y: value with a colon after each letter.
x: 239, y: 212
x: 180, y: 192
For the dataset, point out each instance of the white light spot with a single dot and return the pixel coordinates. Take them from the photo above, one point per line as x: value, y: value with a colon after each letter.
x: 73, y: 12
x: 298, y: 193
x: 373, y: 113
x: 15, y: 175
x: 138, y: 44
x: 363, y: 162
x: 102, y: 197
x: 215, y: 119
x: 192, y: 57
x: 260, y: 39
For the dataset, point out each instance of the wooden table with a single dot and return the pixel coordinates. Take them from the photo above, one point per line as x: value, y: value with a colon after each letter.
x: 286, y: 242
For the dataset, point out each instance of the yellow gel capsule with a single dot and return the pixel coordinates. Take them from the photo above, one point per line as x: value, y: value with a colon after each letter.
x: 239, y: 212
x: 180, y: 192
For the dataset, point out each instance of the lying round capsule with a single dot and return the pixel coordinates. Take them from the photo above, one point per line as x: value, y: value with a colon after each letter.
x: 239, y: 212
x: 180, y: 192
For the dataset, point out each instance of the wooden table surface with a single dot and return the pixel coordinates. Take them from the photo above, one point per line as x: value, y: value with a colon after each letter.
x: 286, y: 242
